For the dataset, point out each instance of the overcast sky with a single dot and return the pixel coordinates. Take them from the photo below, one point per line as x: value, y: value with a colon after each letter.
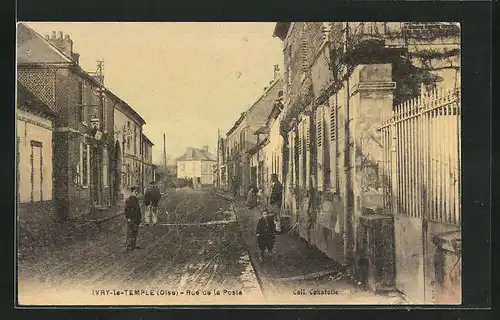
x: 185, y: 79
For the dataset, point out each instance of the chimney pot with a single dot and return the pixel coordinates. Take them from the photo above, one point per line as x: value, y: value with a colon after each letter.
x: 265, y: 88
x: 60, y: 34
x: 53, y: 34
x: 47, y: 36
x: 66, y: 37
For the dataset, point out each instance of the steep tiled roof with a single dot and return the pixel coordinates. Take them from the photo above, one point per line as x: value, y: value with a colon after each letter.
x: 194, y: 154
x: 27, y: 100
x: 33, y: 48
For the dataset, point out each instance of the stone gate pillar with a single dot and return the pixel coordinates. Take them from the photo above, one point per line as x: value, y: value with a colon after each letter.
x: 371, y: 97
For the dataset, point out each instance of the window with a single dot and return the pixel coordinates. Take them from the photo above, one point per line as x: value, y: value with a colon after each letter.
x: 81, y: 113
x: 105, y: 168
x: 128, y: 135
x: 81, y: 102
x: 81, y: 87
x: 334, y: 143
x: 135, y: 139
x: 36, y: 166
x: 85, y: 164
x: 320, y: 147
x: 303, y: 47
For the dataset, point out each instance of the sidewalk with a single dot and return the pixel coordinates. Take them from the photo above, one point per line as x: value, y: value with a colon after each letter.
x: 298, y: 273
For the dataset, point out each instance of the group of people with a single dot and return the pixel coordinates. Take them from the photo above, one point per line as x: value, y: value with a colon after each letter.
x: 133, y: 212
x: 266, y: 226
x: 269, y: 222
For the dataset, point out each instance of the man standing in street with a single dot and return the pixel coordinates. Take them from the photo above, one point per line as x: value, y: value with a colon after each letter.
x: 275, y: 199
x: 151, y: 199
x: 133, y: 215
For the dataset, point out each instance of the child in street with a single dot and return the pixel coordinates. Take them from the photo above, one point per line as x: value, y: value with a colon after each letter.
x: 266, y: 233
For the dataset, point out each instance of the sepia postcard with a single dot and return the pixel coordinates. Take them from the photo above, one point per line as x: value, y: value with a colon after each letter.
x: 256, y: 163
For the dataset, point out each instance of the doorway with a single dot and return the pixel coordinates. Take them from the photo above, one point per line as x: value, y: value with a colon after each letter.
x: 117, y: 172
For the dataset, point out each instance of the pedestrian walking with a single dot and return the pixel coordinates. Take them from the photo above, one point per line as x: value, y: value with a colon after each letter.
x: 275, y: 200
x: 133, y: 215
x: 252, y: 197
x: 235, y: 186
x: 266, y: 234
x: 151, y: 199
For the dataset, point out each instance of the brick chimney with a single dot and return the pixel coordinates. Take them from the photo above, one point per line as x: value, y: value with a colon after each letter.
x: 64, y: 44
x: 205, y: 148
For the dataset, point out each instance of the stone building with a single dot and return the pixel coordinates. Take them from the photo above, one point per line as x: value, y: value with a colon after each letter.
x: 221, y: 169
x: 148, y: 168
x: 267, y: 154
x: 240, y: 138
x: 96, y: 135
x: 340, y: 80
x: 128, y: 144
x: 49, y: 68
x: 197, y: 165
x: 34, y: 131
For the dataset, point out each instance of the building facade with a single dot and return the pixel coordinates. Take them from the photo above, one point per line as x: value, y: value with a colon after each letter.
x: 96, y: 138
x: 49, y: 68
x: 148, y: 168
x: 240, y: 138
x: 341, y: 80
x: 220, y: 168
x: 197, y: 165
x: 128, y: 144
x: 34, y: 131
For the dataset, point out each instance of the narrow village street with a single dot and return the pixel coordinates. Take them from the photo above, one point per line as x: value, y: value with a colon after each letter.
x: 338, y: 150
x: 191, y: 252
x: 202, y: 251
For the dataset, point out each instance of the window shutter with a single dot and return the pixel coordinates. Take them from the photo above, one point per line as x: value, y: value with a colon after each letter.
x: 307, y: 129
x: 305, y: 65
x: 301, y: 151
x: 333, y: 143
x: 320, y: 146
x: 319, y: 126
x: 80, y: 168
x: 333, y: 122
x: 301, y: 132
x: 308, y: 153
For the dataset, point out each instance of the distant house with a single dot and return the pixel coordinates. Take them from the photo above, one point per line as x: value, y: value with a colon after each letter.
x: 197, y: 164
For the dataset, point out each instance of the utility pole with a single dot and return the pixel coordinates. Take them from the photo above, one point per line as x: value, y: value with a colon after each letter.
x: 218, y: 156
x: 164, y: 152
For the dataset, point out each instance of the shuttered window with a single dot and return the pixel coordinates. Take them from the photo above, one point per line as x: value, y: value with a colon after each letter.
x: 304, y: 62
x: 333, y: 122
x: 307, y: 135
x: 334, y: 143
x: 319, y: 126
x: 307, y: 168
x: 301, y: 132
x: 320, y: 146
